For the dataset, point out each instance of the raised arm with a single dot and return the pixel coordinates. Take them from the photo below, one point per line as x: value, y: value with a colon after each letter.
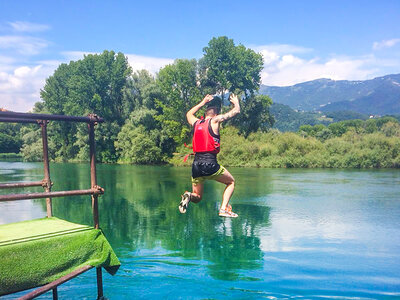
x: 190, y: 114
x: 230, y: 114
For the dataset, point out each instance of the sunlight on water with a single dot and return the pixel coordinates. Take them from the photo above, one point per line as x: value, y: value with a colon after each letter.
x: 309, y: 234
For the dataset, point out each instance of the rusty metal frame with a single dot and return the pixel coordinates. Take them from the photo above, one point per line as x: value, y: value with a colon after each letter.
x: 21, y: 184
x: 42, y: 120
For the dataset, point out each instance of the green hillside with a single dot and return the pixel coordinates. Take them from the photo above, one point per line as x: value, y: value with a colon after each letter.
x: 287, y: 119
x: 379, y: 96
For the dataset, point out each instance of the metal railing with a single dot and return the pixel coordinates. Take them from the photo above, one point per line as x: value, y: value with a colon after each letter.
x: 95, y: 190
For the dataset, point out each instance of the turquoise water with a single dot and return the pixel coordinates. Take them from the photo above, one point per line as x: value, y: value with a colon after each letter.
x: 308, y: 234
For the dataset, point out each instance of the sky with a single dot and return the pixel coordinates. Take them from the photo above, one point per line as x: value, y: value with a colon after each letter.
x: 299, y: 40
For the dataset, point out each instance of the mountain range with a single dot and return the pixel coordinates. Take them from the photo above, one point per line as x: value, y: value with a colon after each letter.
x: 378, y: 96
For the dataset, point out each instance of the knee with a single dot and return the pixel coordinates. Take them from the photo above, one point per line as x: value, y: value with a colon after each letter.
x: 232, y: 183
x: 195, y: 198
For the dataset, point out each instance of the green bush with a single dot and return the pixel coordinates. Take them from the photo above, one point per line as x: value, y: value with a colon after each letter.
x: 354, y: 148
x: 10, y: 156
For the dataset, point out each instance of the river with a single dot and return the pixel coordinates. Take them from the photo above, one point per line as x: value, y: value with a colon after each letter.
x: 307, y: 234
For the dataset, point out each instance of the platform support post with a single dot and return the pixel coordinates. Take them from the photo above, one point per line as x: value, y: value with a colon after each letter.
x: 46, y: 181
x: 95, y: 203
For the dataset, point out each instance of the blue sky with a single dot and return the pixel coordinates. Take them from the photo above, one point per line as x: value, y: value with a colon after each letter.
x: 300, y: 40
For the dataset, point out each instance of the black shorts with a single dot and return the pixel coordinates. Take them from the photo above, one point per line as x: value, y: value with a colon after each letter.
x: 204, y: 164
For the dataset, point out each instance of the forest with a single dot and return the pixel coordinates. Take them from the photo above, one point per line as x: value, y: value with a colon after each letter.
x: 145, y: 116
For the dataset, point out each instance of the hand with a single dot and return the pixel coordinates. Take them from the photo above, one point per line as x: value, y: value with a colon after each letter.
x: 207, y: 99
x: 234, y: 99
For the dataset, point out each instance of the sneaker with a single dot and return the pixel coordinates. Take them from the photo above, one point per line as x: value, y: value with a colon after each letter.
x: 184, y: 202
x: 227, y: 212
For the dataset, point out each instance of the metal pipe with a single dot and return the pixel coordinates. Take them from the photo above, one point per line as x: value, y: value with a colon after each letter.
x: 54, y: 284
x: 13, y: 120
x: 93, y: 178
x: 13, y: 197
x: 95, y: 202
x: 20, y: 184
x: 15, y: 116
x: 47, y: 186
x: 99, y: 283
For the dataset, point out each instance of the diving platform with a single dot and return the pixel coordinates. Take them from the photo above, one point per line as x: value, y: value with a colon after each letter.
x: 44, y: 253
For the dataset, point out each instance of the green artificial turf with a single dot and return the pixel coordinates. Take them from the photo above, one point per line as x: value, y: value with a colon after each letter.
x: 33, y: 253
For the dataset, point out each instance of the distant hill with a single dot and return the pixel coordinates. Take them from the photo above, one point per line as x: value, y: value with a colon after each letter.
x: 287, y: 119
x: 380, y: 95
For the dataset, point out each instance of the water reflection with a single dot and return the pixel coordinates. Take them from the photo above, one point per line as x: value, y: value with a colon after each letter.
x: 139, y: 210
x: 147, y: 215
x: 299, y: 232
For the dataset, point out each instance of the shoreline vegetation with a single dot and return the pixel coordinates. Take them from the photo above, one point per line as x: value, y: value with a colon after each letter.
x: 10, y: 156
x: 145, y: 117
x: 373, y: 143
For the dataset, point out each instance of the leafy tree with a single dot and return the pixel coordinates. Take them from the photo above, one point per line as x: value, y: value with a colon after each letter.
x: 309, y: 130
x: 8, y: 144
x: 141, y: 140
x: 343, y: 115
x: 32, y: 149
x: 254, y: 115
x: 337, y: 129
x: 94, y: 84
x: 140, y: 91
x: 138, y: 147
x: 226, y: 67
x: 179, y: 92
x: 10, y: 139
x: 391, y: 129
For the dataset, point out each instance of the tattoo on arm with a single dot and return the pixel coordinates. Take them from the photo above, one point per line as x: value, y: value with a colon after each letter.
x: 230, y: 114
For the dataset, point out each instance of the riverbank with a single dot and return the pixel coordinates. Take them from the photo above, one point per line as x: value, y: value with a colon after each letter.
x: 348, y: 144
x: 8, y: 156
x: 275, y: 149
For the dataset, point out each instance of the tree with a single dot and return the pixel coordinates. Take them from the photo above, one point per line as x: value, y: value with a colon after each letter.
x: 142, y: 140
x: 226, y: 67
x: 179, y: 92
x: 140, y: 91
x: 254, y: 115
x: 10, y: 138
x: 94, y: 84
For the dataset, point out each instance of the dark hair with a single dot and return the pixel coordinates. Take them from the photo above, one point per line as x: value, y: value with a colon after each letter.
x: 214, y: 110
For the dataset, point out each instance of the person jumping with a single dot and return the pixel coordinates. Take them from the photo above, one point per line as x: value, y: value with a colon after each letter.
x: 206, y: 146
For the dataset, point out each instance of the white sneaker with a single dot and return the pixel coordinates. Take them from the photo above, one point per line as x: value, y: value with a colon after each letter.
x: 227, y: 212
x: 184, y: 202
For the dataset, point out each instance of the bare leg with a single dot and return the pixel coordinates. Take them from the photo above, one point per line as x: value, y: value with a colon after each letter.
x: 187, y: 197
x: 227, y: 179
x: 197, y: 192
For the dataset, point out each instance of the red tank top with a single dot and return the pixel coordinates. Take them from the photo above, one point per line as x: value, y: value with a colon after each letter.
x: 204, y: 139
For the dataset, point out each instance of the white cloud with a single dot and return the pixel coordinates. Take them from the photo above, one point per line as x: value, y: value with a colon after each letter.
x: 23, y: 45
x: 75, y: 55
x: 137, y: 62
x: 20, y: 89
x: 385, y: 44
x: 21, y: 26
x: 151, y: 64
x: 20, y: 85
x: 282, y: 48
x: 283, y: 66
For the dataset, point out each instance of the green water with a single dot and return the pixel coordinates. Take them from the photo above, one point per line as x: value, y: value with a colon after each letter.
x: 309, y: 234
